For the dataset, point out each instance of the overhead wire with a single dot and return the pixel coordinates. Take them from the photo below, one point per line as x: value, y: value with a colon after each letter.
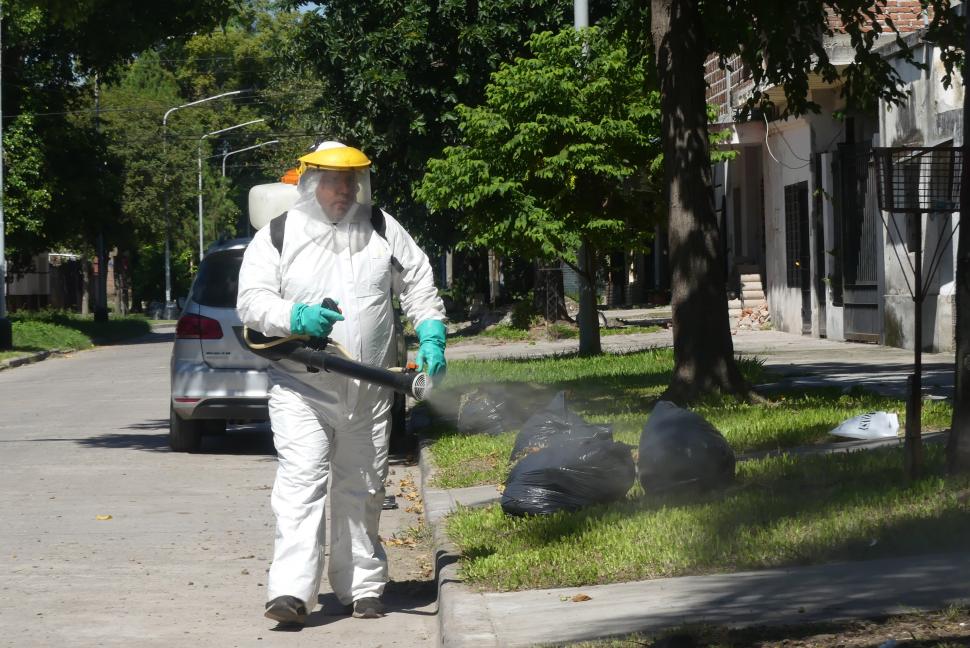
x: 771, y: 153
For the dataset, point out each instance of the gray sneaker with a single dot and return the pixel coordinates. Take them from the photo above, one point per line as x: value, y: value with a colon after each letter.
x: 287, y: 610
x: 368, y: 608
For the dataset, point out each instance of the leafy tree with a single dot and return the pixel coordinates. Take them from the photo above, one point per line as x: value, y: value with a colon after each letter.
x: 52, y: 51
x: 563, y: 154
x: 782, y: 44
x: 244, y: 54
x: 395, y: 72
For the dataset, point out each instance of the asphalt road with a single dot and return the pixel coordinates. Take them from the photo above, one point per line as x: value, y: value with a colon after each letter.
x: 182, y: 559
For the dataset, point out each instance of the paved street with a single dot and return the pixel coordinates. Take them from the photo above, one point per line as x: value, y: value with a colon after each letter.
x: 183, y: 558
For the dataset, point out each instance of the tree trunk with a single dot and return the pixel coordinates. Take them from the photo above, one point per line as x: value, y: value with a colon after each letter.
x: 588, y: 318
x: 101, y: 289
x: 703, y: 350
x: 121, y: 284
x: 86, y: 273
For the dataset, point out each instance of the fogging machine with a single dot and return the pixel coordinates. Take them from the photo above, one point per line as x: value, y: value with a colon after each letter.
x: 313, y: 352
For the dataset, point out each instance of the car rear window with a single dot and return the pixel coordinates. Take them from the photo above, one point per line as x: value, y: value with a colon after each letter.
x: 218, y: 279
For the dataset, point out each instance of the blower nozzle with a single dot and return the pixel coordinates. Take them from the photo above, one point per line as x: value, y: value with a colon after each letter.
x: 311, y: 352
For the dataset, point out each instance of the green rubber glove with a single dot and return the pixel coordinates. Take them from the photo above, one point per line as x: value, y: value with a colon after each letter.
x: 313, y: 320
x: 431, y: 353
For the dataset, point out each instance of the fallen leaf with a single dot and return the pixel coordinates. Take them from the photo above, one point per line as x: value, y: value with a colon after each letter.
x: 102, y: 517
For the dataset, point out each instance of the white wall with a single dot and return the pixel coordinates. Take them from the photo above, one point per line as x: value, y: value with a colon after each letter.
x: 931, y: 116
x: 785, y: 161
x: 36, y: 282
x: 834, y: 323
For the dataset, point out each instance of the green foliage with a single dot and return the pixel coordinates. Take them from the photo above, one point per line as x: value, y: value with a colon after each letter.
x: 396, y: 72
x: 786, y: 44
x: 505, y: 333
x: 27, y: 194
x: 558, y: 331
x: 160, y: 173
x: 53, y: 329
x: 563, y: 150
x: 524, y: 315
x: 62, y: 181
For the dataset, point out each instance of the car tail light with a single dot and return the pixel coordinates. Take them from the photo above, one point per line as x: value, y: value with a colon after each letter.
x: 197, y: 327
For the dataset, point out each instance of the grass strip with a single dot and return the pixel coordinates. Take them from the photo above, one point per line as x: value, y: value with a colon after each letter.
x: 621, y: 390
x: 782, y: 511
x: 551, y: 331
x: 49, y: 330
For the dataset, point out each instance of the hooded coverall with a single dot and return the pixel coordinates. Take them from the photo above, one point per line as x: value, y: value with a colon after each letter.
x: 331, y: 432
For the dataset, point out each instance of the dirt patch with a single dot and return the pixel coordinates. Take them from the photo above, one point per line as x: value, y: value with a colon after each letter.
x: 409, y: 547
x: 940, y: 629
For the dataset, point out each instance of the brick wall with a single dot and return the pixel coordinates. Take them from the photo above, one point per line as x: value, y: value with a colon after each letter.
x: 905, y: 14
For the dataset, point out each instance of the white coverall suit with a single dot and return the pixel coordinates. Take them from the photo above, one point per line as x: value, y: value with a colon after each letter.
x: 331, y: 432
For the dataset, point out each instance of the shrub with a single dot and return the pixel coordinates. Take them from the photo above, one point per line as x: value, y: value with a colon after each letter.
x: 524, y: 315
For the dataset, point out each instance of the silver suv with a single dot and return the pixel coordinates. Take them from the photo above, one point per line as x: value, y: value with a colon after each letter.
x: 215, y: 379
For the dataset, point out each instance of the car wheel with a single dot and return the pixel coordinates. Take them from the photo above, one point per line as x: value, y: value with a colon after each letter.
x: 183, y: 436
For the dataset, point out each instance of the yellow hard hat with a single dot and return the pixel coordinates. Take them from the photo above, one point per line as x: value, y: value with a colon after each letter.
x: 336, y: 158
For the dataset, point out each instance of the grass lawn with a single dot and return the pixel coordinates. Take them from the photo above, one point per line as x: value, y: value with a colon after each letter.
x: 781, y: 511
x: 621, y: 390
x: 48, y: 330
x: 553, y: 331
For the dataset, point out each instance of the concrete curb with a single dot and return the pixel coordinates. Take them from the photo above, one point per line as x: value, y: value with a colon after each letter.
x: 460, y: 618
x: 34, y: 357
x: 31, y: 358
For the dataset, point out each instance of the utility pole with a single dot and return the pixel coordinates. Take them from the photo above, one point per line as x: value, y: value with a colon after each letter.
x: 6, y: 329
x: 588, y: 318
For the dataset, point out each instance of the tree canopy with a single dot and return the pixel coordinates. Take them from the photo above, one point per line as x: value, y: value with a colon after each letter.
x: 52, y: 54
x: 563, y: 151
x: 562, y: 155
x: 397, y: 70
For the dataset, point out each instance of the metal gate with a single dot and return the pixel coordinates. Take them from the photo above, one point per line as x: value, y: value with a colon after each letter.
x: 797, y: 248
x: 857, y: 216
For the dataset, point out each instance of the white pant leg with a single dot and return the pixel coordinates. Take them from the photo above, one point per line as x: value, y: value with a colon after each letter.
x: 358, y: 564
x: 303, y: 445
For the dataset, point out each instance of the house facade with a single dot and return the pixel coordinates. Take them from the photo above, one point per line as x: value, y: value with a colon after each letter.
x: 798, y: 202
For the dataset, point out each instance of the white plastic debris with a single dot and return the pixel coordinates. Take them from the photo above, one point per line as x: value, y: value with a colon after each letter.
x: 871, y: 425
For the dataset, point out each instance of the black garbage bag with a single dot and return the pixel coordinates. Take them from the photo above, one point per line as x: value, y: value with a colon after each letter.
x: 555, y: 422
x: 680, y: 451
x: 482, y: 413
x: 569, y: 475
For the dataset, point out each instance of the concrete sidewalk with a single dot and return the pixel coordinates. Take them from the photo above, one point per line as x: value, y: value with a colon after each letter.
x: 777, y: 596
x: 795, y: 360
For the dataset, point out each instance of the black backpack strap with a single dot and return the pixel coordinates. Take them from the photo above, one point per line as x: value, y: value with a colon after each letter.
x: 277, y: 228
x: 380, y: 226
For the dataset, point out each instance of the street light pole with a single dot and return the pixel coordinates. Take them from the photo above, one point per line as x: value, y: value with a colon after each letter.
x: 248, y: 148
x: 215, y: 132
x: 6, y: 328
x: 169, y: 306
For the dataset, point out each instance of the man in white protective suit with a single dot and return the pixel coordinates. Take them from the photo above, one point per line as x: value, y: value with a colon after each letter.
x: 331, y: 432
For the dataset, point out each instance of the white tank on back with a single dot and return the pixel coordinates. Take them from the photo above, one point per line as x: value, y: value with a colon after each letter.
x: 267, y: 201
